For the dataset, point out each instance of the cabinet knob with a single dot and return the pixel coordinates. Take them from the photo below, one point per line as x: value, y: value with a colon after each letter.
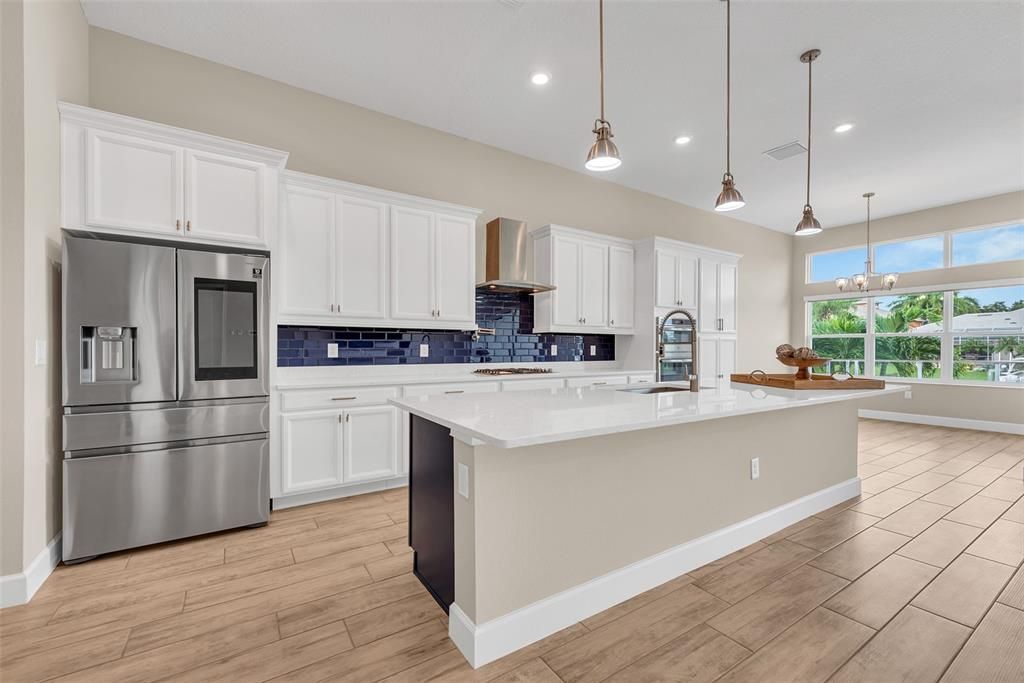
x: 612, y: 322
x: 177, y: 224
x: 188, y: 225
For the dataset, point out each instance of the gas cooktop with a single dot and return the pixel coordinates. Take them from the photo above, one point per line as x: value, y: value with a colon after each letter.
x: 512, y: 371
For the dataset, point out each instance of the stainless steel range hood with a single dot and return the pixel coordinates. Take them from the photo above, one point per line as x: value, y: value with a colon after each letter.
x: 505, y: 265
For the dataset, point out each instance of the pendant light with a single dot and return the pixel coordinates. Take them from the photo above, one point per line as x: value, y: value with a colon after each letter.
x: 808, y: 225
x: 603, y: 155
x: 862, y: 281
x: 729, y: 199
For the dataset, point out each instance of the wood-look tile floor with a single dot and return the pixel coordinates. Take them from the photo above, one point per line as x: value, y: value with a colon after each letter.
x: 919, y: 579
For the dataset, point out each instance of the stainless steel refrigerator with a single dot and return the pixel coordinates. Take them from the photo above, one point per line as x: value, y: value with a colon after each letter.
x: 165, y: 392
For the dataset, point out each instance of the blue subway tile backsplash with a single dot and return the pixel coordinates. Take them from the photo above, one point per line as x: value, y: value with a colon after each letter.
x: 511, y: 316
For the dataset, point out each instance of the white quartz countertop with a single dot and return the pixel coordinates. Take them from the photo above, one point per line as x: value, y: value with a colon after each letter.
x: 426, y: 376
x: 527, y: 418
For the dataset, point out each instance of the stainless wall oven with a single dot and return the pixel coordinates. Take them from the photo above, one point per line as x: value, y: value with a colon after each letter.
x: 675, y: 362
x: 165, y: 392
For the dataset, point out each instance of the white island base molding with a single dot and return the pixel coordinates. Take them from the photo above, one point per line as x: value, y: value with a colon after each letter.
x: 491, y: 640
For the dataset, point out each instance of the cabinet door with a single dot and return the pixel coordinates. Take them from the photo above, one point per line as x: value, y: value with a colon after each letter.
x: 727, y: 284
x: 133, y: 184
x: 412, y: 264
x: 666, y: 285
x: 686, y: 274
x: 310, y: 451
x: 370, y: 444
x: 707, y: 362
x: 707, y: 314
x: 454, y: 240
x: 224, y: 198
x: 594, y: 284
x: 307, y: 281
x: 361, y: 258
x: 726, y: 360
x: 566, y: 272
x: 620, y: 287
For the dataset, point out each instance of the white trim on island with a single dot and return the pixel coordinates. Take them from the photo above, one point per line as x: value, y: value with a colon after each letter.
x: 484, y: 643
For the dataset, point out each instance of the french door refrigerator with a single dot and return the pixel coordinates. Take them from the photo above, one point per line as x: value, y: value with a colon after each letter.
x: 165, y: 392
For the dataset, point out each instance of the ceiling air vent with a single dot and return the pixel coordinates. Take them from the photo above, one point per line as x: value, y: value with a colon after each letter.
x: 790, y: 149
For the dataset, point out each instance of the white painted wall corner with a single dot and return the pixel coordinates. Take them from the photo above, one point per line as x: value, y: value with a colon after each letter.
x: 17, y: 589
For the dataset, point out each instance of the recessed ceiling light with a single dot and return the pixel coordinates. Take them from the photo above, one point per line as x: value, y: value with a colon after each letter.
x: 540, y: 78
x: 683, y: 139
x: 844, y: 127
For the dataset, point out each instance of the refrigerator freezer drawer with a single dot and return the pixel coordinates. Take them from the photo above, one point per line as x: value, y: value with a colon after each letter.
x: 114, y: 502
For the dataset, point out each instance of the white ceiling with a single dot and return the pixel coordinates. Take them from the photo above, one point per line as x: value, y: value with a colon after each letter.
x: 935, y: 88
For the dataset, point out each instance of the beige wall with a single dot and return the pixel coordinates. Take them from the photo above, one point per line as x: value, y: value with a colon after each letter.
x: 998, y: 404
x: 543, y: 519
x: 54, y: 66
x: 339, y: 140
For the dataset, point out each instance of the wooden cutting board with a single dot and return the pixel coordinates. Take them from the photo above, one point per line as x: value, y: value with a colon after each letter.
x: 816, y: 382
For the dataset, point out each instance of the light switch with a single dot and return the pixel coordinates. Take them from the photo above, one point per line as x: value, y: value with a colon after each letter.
x: 424, y: 350
x: 40, y: 352
x: 332, y: 350
x: 464, y: 480
x: 593, y: 349
x: 755, y: 468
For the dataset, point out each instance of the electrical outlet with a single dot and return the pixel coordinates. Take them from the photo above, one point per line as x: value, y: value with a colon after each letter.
x: 40, y: 352
x: 593, y: 349
x: 424, y: 350
x: 554, y: 349
x: 464, y: 480
x: 908, y: 394
x: 755, y: 468
x: 332, y: 350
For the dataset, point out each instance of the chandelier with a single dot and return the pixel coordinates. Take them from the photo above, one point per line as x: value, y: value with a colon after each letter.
x: 863, y: 281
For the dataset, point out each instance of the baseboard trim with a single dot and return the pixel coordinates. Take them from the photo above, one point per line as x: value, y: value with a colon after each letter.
x: 940, y: 421
x: 17, y: 589
x: 296, y: 499
x: 487, y: 642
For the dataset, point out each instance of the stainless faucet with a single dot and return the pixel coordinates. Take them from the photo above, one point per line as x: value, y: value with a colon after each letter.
x: 694, y: 379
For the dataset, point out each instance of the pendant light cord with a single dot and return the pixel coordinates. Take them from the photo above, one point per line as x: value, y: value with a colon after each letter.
x: 728, y: 84
x: 600, y: 24
x: 810, y: 62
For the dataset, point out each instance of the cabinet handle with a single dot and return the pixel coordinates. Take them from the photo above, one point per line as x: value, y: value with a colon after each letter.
x: 344, y: 398
x: 348, y: 417
x: 612, y: 322
x: 177, y: 224
x: 188, y: 225
x: 456, y: 391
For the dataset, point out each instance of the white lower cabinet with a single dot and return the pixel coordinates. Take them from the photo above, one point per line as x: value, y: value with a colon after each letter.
x: 325, y: 449
x: 717, y: 361
x: 612, y: 380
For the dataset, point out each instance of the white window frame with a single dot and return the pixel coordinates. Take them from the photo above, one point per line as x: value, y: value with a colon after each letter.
x: 947, y: 249
x: 946, y: 335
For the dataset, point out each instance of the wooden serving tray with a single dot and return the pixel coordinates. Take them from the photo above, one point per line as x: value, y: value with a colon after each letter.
x: 816, y: 382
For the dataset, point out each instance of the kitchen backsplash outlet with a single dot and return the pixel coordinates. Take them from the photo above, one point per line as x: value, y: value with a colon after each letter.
x: 511, y: 316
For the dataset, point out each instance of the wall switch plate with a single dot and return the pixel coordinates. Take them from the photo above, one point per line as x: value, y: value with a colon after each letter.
x: 908, y: 394
x: 332, y: 350
x: 755, y: 468
x: 554, y: 349
x: 424, y: 350
x: 40, y: 352
x: 593, y: 349
x: 464, y: 480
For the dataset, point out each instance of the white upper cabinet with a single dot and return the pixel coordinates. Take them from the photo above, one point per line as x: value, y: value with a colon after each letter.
x: 455, y: 268
x: 224, y: 198
x: 383, y: 259
x: 593, y: 276
x: 675, y: 279
x: 718, y: 284
x: 125, y: 175
x: 132, y: 183
x: 620, y: 287
x: 307, y: 284
x: 361, y: 258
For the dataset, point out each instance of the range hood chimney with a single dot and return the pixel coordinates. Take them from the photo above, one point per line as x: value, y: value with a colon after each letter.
x: 506, y: 259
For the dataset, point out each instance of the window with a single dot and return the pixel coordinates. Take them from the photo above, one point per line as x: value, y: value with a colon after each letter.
x: 829, y: 265
x: 907, y: 256
x: 974, y: 335
x: 988, y: 334
x: 1001, y: 243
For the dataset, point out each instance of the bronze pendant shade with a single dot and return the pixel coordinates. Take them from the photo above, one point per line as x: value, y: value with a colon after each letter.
x: 603, y: 154
x: 808, y: 224
x: 729, y: 199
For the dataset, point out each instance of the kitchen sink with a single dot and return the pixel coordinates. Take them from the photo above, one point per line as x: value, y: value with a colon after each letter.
x: 654, y: 390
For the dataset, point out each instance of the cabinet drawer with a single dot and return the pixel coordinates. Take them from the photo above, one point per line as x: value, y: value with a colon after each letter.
x: 596, y: 381
x: 641, y: 379
x: 312, y: 399
x: 441, y: 389
x: 531, y: 384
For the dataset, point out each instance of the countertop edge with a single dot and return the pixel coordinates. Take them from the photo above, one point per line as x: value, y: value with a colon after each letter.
x: 446, y: 379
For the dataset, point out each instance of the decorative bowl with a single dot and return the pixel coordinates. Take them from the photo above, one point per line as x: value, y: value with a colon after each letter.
x: 803, y: 365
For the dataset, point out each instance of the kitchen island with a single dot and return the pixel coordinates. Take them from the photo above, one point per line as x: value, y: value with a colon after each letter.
x: 530, y: 511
